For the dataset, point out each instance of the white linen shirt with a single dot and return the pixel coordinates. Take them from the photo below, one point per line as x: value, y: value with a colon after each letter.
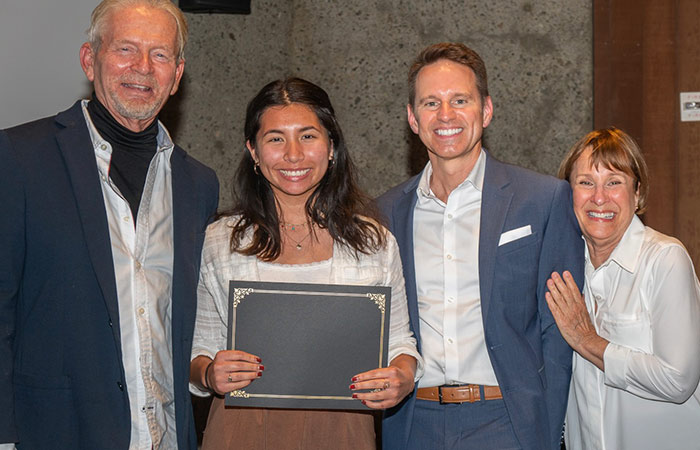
x: 143, y: 268
x: 648, y: 307
x: 220, y: 265
x: 446, y: 254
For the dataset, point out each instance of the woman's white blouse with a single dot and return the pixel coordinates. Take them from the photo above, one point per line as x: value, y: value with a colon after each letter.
x: 219, y: 266
x: 648, y: 307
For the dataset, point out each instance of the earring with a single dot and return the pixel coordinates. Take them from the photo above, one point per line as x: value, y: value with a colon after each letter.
x: 331, y: 162
x: 255, y: 168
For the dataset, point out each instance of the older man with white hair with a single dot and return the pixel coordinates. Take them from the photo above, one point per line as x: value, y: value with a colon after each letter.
x: 100, y: 237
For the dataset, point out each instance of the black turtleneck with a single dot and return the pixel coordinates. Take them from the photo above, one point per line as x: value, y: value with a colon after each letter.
x: 131, y: 152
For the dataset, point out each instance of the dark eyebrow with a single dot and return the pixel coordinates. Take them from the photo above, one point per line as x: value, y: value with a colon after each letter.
x: 272, y: 131
x: 301, y: 130
x: 310, y: 127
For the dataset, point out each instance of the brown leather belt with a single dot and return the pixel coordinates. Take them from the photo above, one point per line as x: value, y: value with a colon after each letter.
x: 465, y: 393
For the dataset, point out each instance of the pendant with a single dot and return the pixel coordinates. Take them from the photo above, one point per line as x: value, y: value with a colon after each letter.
x: 298, y: 246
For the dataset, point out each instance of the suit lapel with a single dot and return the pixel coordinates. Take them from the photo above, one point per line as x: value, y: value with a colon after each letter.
x: 79, y: 156
x: 495, y: 203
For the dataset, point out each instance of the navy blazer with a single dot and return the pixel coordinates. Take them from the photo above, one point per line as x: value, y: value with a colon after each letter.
x: 531, y: 360
x: 62, y: 380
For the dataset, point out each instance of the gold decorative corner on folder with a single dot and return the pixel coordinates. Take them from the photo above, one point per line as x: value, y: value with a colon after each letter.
x: 239, y: 294
x: 379, y: 300
x: 239, y: 394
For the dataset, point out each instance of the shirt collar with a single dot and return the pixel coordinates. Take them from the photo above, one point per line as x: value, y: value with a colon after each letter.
x: 475, y: 177
x: 626, y: 253
x: 163, y: 138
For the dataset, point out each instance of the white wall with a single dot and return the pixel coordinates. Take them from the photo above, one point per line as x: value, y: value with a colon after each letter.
x: 40, y: 72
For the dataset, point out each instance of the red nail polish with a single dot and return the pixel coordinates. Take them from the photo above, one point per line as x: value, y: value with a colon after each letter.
x: 352, y: 386
x: 354, y: 378
x: 354, y: 395
x: 262, y: 367
x: 364, y: 402
x: 259, y: 374
x: 259, y: 360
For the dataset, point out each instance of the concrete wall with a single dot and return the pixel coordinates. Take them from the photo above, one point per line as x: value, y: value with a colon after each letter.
x: 39, y: 44
x: 537, y: 52
x: 538, y: 55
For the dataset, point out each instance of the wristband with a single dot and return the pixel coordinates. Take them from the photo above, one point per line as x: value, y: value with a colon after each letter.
x: 206, y: 377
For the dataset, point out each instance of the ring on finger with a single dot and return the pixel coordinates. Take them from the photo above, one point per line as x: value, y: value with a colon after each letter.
x: 387, y: 385
x: 230, y: 380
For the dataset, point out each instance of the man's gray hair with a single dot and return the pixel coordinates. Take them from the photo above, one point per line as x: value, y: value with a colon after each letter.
x: 103, y: 10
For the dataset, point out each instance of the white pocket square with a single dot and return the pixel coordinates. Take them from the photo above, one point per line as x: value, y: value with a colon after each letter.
x: 512, y: 235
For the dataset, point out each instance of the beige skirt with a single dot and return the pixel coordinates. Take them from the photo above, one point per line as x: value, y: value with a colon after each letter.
x: 287, y: 429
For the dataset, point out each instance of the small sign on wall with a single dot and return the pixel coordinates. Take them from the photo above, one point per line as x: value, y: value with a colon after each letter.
x: 216, y: 6
x: 690, y: 106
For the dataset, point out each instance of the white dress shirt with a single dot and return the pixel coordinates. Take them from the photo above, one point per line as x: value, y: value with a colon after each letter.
x: 143, y: 266
x: 446, y: 252
x: 648, y: 307
x: 219, y: 266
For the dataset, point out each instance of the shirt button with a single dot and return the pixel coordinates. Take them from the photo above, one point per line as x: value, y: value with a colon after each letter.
x: 138, y: 265
x: 141, y: 311
x: 449, y: 257
x: 449, y: 340
x: 597, y: 297
x: 126, y: 218
x: 449, y: 216
x: 120, y: 385
x: 450, y: 299
x: 103, y: 146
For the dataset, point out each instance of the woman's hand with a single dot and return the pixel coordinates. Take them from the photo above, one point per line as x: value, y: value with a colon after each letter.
x: 388, y: 386
x: 230, y: 370
x: 569, y: 310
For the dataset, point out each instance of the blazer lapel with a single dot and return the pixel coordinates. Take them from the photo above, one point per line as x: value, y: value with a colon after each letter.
x: 495, y: 203
x: 79, y: 156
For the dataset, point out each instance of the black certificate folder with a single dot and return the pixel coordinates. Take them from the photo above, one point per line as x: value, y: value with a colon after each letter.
x: 312, y: 339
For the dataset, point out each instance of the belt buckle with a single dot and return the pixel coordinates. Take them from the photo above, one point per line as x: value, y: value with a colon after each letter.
x: 472, y: 389
x: 440, y: 394
x: 469, y: 387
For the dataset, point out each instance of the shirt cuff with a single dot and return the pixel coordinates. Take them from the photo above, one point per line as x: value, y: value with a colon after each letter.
x: 615, y: 360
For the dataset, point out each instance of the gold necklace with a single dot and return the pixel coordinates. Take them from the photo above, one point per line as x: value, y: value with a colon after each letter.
x: 292, y: 226
x: 298, y: 243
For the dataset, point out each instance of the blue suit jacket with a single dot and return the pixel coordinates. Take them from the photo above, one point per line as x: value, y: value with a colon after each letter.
x: 531, y: 360
x: 62, y: 379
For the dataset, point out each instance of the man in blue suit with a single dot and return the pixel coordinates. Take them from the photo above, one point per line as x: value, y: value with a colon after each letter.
x: 478, y: 240
x: 101, y: 230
